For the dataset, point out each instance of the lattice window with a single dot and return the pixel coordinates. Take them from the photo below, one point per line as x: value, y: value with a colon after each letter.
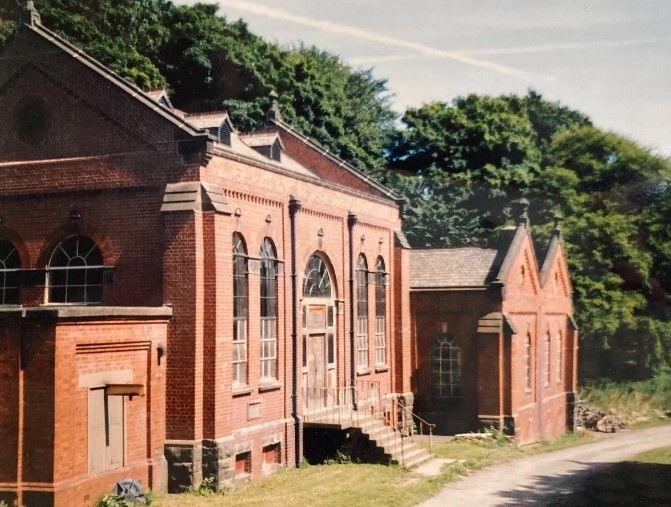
x: 240, y: 309
x: 380, y: 313
x: 75, y: 272
x: 10, y: 264
x: 445, y: 367
x: 269, y: 300
x: 362, y: 312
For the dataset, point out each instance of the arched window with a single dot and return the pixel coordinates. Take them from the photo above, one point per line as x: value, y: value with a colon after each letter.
x: 239, y: 309
x: 445, y: 367
x: 316, y: 281
x: 76, y: 271
x: 527, y: 364
x: 547, y: 359
x: 362, y: 312
x: 380, y: 313
x: 560, y: 355
x: 10, y: 263
x: 268, y: 273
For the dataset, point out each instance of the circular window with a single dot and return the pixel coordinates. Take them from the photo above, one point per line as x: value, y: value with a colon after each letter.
x: 32, y: 120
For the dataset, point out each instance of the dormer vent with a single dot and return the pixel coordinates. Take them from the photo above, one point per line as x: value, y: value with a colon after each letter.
x: 268, y: 144
x: 224, y: 132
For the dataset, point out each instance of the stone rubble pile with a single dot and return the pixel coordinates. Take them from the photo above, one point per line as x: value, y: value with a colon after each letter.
x: 593, y: 419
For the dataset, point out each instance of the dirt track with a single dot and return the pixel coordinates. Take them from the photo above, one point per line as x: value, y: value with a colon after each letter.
x: 549, y: 478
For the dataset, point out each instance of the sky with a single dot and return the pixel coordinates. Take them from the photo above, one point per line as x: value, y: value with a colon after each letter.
x: 610, y: 59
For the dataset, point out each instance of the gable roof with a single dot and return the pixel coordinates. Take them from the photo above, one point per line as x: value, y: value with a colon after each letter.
x: 257, y: 139
x: 208, y: 120
x: 466, y: 267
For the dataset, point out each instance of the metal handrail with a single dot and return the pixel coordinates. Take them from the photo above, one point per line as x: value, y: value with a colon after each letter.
x: 422, y: 423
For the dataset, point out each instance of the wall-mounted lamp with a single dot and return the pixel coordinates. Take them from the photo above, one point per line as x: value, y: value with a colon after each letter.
x: 160, y: 352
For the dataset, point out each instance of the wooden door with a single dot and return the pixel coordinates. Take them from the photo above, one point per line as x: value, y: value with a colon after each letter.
x: 316, y: 369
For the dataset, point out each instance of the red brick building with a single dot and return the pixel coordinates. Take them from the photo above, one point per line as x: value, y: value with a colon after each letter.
x: 181, y: 301
x: 494, y: 342
x: 174, y: 292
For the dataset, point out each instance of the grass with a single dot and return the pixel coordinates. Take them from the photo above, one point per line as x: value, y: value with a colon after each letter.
x: 642, y: 403
x: 661, y: 456
x: 361, y: 484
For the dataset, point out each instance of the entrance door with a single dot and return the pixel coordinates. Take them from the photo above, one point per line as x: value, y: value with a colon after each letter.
x: 316, y: 366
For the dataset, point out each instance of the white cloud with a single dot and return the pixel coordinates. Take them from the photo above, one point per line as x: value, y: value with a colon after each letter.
x: 379, y: 38
x: 540, y: 48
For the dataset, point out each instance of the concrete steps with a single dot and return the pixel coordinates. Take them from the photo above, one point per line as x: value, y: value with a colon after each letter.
x: 388, y: 441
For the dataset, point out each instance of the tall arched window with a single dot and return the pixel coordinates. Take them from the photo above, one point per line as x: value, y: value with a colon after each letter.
x: 239, y: 310
x: 527, y: 363
x: 75, y: 272
x: 10, y: 263
x: 362, y: 312
x: 268, y: 273
x: 445, y: 367
x: 380, y: 313
x: 547, y: 359
x: 560, y: 355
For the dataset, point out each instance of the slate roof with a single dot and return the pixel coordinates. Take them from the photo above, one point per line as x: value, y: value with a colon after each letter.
x: 206, y: 120
x: 454, y: 267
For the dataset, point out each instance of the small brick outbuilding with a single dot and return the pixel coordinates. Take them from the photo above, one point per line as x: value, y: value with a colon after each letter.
x: 493, y: 339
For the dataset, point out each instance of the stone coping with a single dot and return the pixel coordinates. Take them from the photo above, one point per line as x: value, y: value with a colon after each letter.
x: 66, y: 311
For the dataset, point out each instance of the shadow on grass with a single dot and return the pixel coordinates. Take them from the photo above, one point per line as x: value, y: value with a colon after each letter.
x: 626, y: 483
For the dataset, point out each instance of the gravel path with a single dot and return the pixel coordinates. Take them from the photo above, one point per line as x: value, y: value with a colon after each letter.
x: 548, y: 478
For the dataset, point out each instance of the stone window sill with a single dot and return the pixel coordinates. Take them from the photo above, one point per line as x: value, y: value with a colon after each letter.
x: 363, y: 371
x: 241, y: 389
x: 269, y: 385
x: 381, y: 367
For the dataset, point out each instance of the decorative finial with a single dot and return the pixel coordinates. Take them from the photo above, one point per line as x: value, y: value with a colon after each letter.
x: 521, y: 209
x: 556, y: 223
x: 31, y: 16
x: 273, y: 113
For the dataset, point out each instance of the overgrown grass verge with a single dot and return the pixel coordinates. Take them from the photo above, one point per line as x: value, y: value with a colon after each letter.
x: 640, y: 403
x: 361, y: 484
x: 661, y: 456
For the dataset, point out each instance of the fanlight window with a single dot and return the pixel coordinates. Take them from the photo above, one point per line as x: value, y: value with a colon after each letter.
x: 240, y: 305
x: 445, y: 367
x: 268, y: 274
x: 10, y: 263
x: 76, y: 271
x: 317, y: 281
